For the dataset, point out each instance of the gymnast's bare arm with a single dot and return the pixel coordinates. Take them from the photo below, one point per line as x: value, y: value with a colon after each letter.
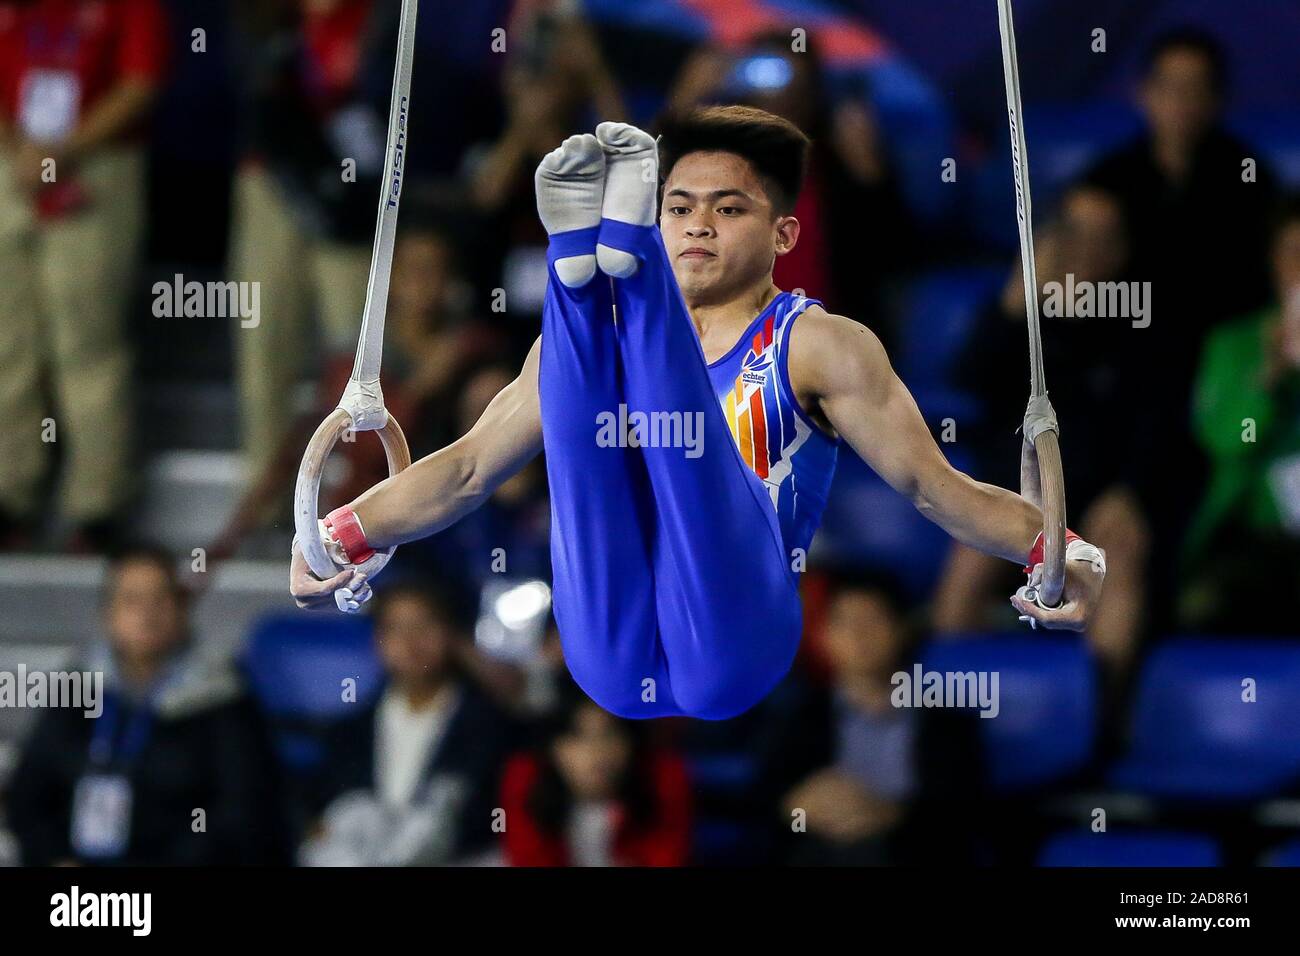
x: 839, y: 368
x: 441, y: 488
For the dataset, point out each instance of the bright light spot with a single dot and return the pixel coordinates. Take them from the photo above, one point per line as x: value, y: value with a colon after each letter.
x: 518, y: 606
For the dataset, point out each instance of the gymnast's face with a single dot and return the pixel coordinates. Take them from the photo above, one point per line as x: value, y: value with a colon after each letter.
x: 720, y: 228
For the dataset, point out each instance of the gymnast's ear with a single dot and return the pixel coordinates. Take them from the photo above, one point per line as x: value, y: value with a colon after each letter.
x: 787, y: 234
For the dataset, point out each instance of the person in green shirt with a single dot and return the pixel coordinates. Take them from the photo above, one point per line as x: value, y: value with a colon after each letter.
x: 1243, y: 547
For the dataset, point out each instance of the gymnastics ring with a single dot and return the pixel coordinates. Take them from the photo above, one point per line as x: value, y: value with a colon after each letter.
x: 1042, y: 480
x: 362, y: 406
x: 307, y: 490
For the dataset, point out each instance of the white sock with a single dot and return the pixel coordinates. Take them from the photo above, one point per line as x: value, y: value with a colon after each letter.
x: 631, y: 188
x: 570, y: 182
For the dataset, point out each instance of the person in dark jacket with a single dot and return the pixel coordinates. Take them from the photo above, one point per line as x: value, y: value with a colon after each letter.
x: 1096, y: 369
x: 412, y: 779
x: 315, y: 80
x: 894, y: 785
x: 1198, y: 202
x: 175, y: 770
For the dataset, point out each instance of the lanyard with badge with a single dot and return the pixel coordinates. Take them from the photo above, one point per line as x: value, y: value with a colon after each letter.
x: 101, y: 809
x: 50, y: 96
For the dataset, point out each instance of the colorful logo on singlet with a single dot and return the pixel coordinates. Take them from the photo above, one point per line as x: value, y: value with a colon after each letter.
x: 767, y: 434
x: 776, y: 440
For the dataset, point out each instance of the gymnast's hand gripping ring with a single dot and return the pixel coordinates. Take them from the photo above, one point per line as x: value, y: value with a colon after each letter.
x: 305, y: 508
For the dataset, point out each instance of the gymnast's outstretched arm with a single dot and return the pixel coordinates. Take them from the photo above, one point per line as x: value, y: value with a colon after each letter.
x: 842, y: 368
x: 441, y: 488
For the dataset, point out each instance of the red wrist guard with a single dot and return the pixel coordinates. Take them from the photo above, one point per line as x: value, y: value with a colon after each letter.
x: 345, y: 528
x: 1036, y: 552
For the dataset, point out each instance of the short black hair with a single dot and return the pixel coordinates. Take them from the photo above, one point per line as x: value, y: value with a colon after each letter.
x: 775, y: 147
x: 1196, y: 41
x: 141, y: 552
x: 427, y: 217
x: 446, y: 605
x: 883, y: 583
x: 551, y: 801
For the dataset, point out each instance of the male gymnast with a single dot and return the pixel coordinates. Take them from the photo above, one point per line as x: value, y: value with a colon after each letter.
x: 676, y: 563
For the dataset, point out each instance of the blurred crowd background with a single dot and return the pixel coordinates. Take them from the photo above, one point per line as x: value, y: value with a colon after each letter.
x: 147, y: 458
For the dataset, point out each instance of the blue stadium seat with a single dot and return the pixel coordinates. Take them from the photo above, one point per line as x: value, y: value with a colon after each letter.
x: 718, y: 841
x: 1047, y: 718
x: 728, y: 770
x: 1193, y: 734
x: 1276, y: 134
x: 940, y: 313
x: 868, y: 524
x: 1129, y: 848
x: 1065, y: 139
x: 716, y: 838
x: 296, y: 663
x: 296, y: 666
x: 1288, y: 854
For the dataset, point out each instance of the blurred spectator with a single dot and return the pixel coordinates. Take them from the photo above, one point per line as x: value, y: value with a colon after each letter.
x: 741, y: 769
x: 1244, y: 545
x: 1199, y: 226
x: 458, y: 72
x: 545, y: 674
x: 510, y: 533
x: 77, y: 81
x: 1194, y: 216
x: 556, y: 83
x: 1095, y: 384
x: 438, y: 333
x: 556, y: 69
x: 596, y: 793
x: 854, y: 229
x: 317, y: 79
x: 433, y: 336
x: 412, y: 780
x: 895, y: 785
x: 177, y: 734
